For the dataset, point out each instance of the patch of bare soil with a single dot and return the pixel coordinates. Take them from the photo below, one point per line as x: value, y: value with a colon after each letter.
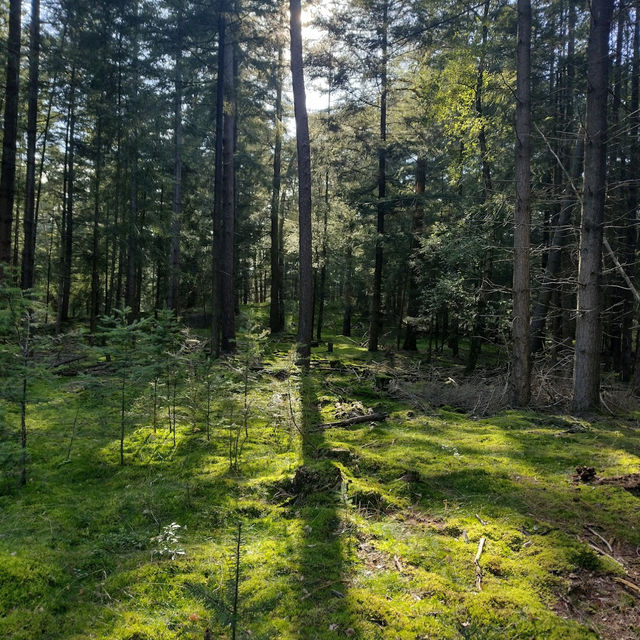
x: 610, y: 604
x: 604, y: 603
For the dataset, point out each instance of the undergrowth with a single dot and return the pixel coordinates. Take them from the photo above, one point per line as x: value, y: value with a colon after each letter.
x: 368, y: 531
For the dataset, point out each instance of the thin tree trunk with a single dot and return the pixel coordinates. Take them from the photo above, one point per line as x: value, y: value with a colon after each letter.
x: 8, y: 166
x: 521, y: 370
x: 130, y: 289
x: 375, y: 324
x: 227, y: 298
x: 413, y: 305
x: 28, y: 250
x: 305, y: 308
x: 67, y: 235
x: 174, y: 262
x: 95, y: 274
x: 275, y: 315
x: 630, y: 240
x: 348, y: 302
x: 216, y: 258
x: 487, y: 188
x: 323, y: 257
x: 586, y: 372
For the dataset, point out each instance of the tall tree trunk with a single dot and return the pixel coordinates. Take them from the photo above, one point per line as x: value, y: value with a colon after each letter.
x: 64, y: 292
x: 8, y: 167
x: 275, y: 315
x: 227, y: 289
x: 486, y: 265
x: 586, y: 372
x: 174, y: 260
x: 413, y: 305
x: 348, y: 291
x: 95, y: 244
x: 375, y: 324
x: 323, y: 257
x: 520, y: 371
x: 630, y: 238
x: 216, y: 258
x: 130, y: 287
x: 305, y: 308
x: 28, y: 250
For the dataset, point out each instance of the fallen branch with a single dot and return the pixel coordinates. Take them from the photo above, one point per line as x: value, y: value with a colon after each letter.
x: 55, y: 365
x: 477, y: 563
x: 374, y: 417
x: 607, y: 555
x: 627, y: 583
x: 595, y: 533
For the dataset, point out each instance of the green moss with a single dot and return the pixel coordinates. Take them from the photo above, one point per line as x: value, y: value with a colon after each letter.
x: 378, y: 542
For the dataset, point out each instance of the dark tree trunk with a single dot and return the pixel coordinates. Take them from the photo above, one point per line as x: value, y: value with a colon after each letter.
x: 8, y: 167
x: 64, y: 293
x: 95, y: 278
x: 227, y: 290
x: 28, y: 250
x: 630, y: 236
x: 216, y: 312
x: 305, y: 308
x: 174, y: 259
x: 413, y: 290
x: 275, y: 314
x: 348, y: 302
x: 586, y: 373
x: 130, y: 287
x: 323, y: 256
x: 479, y: 321
x: 520, y: 371
x: 375, y: 324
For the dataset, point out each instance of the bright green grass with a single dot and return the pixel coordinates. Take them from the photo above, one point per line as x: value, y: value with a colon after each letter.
x: 383, y: 556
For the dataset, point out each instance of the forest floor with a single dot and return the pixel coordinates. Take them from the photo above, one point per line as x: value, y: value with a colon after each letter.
x: 370, y: 530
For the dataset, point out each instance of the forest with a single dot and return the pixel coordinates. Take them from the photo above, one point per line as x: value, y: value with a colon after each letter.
x: 320, y: 319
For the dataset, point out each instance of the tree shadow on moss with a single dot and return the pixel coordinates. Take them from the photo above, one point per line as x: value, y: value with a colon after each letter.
x: 323, y: 602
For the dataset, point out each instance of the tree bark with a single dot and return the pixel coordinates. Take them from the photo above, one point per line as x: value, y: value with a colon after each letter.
x: 486, y: 265
x: 413, y: 290
x: 375, y: 324
x: 586, y: 372
x: 521, y: 370
x: 216, y: 258
x: 28, y: 250
x: 174, y: 260
x: 8, y: 166
x: 227, y: 298
x: 275, y: 315
x: 305, y: 305
x: 64, y: 292
x: 631, y: 235
x: 95, y: 277
x: 130, y: 288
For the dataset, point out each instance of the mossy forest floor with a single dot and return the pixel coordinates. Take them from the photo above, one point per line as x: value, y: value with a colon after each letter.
x: 368, y: 531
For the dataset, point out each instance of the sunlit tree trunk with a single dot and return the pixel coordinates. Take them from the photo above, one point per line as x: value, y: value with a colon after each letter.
x: 375, y: 324
x: 305, y: 308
